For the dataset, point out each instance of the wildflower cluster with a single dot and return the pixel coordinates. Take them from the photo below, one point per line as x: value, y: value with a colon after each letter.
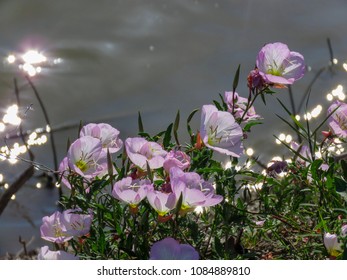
x: 149, y: 197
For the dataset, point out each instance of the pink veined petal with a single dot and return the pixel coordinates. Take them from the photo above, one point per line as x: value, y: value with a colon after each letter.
x: 294, y: 66
x: 193, y: 197
x: 156, y: 162
x: 278, y: 79
x: 272, y: 55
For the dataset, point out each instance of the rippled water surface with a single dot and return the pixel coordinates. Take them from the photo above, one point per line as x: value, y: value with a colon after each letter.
x: 155, y: 56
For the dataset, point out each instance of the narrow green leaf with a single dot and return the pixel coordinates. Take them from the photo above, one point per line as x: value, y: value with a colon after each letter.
x: 293, y: 127
x: 284, y: 107
x: 68, y: 144
x: 236, y: 78
x: 175, y: 127
x: 189, y: 119
x: 294, y: 151
x: 324, y: 121
x: 149, y: 172
x: 110, y: 166
x: 344, y: 255
x: 344, y: 168
x: 263, y: 98
x: 314, y: 169
x: 80, y: 128
x: 167, y: 136
x: 340, y: 185
x: 225, y: 106
x: 248, y: 126
x: 179, y: 204
x: 216, y: 103
x: 140, y: 124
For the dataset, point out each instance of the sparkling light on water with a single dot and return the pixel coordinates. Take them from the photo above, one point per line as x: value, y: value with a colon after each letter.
x: 11, y: 116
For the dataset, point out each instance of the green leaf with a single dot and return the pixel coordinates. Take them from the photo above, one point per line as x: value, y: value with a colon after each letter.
x: 248, y: 126
x: 110, y: 166
x: 68, y: 144
x: 340, y: 185
x: 292, y: 127
x: 344, y: 255
x: 179, y: 205
x: 314, y: 169
x: 263, y: 98
x: 188, y: 121
x: 225, y: 106
x: 219, y: 107
x: 167, y: 136
x: 218, y: 246
x: 236, y: 78
x: 175, y: 127
x: 344, y: 168
x: 140, y: 124
x: 324, y: 121
x: 80, y: 128
x: 149, y: 172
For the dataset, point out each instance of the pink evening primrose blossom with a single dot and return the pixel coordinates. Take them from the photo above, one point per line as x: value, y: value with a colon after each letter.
x: 107, y: 134
x: 338, y: 120
x: 194, y: 190
x: 54, y: 228
x: 86, y: 157
x: 61, y: 227
x: 161, y: 202
x: 220, y: 132
x: 131, y: 191
x: 278, y: 65
x: 332, y: 244
x: 46, y: 254
x: 140, y: 151
x: 238, y: 106
x: 176, y: 159
x: 170, y: 249
x: 78, y: 224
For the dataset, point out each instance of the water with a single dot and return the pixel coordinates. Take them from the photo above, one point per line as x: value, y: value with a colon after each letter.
x: 121, y: 57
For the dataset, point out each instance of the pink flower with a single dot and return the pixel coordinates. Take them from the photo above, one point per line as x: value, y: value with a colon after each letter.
x: 278, y: 65
x: 61, y: 227
x: 140, y: 151
x: 176, y: 159
x: 194, y: 190
x: 170, y: 249
x: 46, y: 254
x: 107, y: 134
x: 54, y: 228
x: 161, y: 202
x: 220, y: 132
x: 131, y: 191
x: 77, y: 224
x: 332, y: 244
x: 338, y: 120
x: 86, y: 157
x: 238, y: 106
